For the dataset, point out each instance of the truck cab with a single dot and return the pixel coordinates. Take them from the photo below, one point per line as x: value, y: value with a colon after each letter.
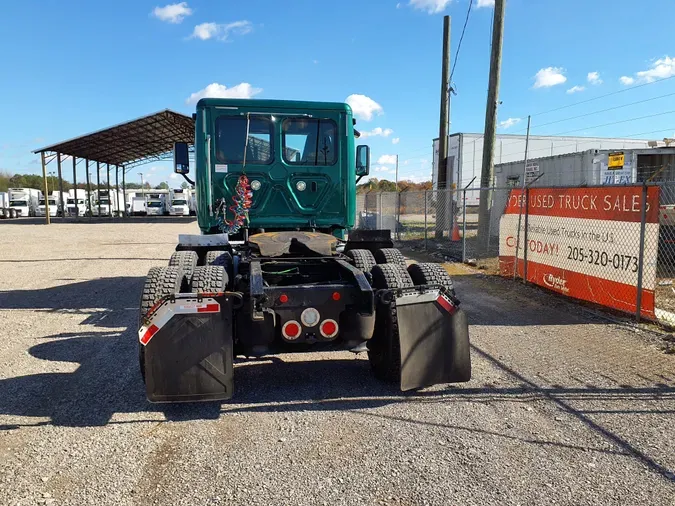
x: 24, y: 201
x: 299, y: 158
x: 179, y: 202
x: 53, y: 206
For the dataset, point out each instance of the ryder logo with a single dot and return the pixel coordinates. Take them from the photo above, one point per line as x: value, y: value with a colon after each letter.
x: 556, y: 283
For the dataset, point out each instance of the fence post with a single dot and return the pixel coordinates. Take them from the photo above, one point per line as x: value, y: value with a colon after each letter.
x: 379, y: 212
x: 398, y: 216
x: 366, y: 221
x: 464, y: 226
x: 641, y: 259
x: 489, y: 226
x: 527, y: 219
x: 425, y: 219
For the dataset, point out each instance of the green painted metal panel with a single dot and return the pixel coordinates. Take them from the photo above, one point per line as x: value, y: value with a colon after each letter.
x: 329, y: 195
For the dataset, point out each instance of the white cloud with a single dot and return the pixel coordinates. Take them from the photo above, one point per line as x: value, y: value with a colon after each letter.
x: 216, y: 90
x: 172, y: 13
x: 575, y: 89
x: 396, y: 140
x: 431, y: 6
x: 594, y: 78
x: 485, y: 3
x: 378, y: 132
x: 626, y: 80
x: 387, y: 160
x: 385, y: 169
x: 508, y: 123
x: 364, y: 107
x: 398, y: 5
x: 550, y: 76
x: 173, y: 176
x: 315, y: 62
x: 660, y: 69
x: 206, y: 31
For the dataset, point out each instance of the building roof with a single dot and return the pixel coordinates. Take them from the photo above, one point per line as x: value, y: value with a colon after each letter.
x: 149, y: 138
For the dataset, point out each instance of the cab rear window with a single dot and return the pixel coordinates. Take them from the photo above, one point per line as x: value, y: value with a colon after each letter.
x: 232, y: 142
x: 309, y: 141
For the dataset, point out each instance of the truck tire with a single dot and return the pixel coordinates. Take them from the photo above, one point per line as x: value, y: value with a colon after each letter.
x: 390, y: 276
x: 384, y: 349
x: 390, y: 256
x: 363, y: 259
x: 209, y: 279
x: 185, y: 260
x: 160, y: 282
x: 224, y: 258
x: 430, y: 274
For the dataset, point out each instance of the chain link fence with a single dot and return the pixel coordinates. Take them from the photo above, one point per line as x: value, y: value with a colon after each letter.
x: 445, y: 223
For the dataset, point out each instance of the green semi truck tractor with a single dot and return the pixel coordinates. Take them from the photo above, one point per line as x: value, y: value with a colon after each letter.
x: 278, y: 266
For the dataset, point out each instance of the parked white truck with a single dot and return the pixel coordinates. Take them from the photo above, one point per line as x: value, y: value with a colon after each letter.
x: 156, y: 205
x: 193, y: 202
x: 179, y: 202
x: 138, y: 206
x: 24, y: 201
x: 5, y: 210
x: 76, y: 205
x: 54, y: 207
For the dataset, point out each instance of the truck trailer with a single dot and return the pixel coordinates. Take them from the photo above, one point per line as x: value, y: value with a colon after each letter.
x: 277, y: 267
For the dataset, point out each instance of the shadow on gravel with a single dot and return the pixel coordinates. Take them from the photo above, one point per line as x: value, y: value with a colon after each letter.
x: 112, y: 294
x: 557, y: 396
x: 108, y: 381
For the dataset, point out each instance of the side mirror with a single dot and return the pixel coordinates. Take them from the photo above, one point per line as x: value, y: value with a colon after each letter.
x: 362, y: 160
x: 181, y: 158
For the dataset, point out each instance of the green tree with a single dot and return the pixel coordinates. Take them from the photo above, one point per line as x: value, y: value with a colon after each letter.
x: 162, y: 186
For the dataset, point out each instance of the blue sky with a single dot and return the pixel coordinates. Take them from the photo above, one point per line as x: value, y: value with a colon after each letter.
x: 70, y: 67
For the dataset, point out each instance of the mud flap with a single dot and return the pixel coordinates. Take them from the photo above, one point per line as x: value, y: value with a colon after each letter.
x: 188, y: 349
x: 434, y: 339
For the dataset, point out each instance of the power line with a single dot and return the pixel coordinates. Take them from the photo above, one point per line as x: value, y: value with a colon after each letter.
x: 603, y: 96
x: 597, y: 98
x: 461, y: 38
x: 605, y: 110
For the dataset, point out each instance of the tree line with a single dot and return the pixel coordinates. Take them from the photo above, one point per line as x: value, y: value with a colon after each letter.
x: 384, y: 185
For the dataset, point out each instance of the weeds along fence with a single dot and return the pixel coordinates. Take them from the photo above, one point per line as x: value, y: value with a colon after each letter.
x: 446, y: 223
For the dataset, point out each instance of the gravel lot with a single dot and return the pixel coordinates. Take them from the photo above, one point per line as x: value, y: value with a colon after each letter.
x: 564, y: 408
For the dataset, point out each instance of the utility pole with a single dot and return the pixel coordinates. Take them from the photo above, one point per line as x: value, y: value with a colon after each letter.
x: 441, y: 217
x: 487, y: 171
x: 397, y: 173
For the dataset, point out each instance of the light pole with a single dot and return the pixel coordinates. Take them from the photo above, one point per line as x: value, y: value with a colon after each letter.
x: 145, y: 198
x: 51, y: 174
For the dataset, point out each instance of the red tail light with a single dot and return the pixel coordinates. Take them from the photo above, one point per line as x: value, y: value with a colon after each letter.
x: 329, y: 328
x: 291, y: 330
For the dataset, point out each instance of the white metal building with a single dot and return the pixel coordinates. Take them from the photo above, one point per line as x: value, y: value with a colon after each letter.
x: 465, y: 152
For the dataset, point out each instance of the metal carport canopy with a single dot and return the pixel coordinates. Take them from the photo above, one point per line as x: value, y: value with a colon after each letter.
x: 146, y: 139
